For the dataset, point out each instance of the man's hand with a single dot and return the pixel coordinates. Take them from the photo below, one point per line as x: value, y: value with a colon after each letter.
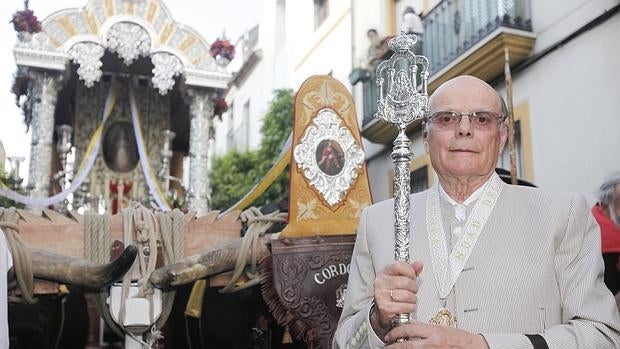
x: 395, y: 287
x: 425, y: 336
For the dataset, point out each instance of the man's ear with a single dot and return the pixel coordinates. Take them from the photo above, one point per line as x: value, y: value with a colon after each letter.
x: 503, y: 136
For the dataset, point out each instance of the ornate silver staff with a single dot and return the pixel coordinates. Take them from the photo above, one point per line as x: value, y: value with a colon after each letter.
x: 402, y: 100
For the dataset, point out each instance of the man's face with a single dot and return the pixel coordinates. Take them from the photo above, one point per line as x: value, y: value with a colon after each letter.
x: 465, y: 151
x: 372, y: 35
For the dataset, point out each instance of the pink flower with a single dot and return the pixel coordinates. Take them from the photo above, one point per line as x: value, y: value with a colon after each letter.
x: 223, y: 48
x: 26, y: 21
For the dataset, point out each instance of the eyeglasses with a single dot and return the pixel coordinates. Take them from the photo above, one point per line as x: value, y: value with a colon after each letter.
x: 484, y: 121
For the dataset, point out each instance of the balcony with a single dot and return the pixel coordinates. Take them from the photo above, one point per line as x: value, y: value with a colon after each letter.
x: 461, y: 37
x: 374, y: 129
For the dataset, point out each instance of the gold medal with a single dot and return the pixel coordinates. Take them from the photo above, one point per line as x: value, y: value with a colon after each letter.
x: 444, y: 317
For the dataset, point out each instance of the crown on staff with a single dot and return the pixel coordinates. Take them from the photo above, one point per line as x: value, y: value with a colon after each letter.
x: 402, y: 83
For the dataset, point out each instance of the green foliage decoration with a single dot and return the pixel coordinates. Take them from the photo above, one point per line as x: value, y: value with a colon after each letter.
x: 8, y: 182
x: 235, y: 173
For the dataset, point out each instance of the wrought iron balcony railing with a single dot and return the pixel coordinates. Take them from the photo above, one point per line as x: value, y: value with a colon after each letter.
x: 454, y: 26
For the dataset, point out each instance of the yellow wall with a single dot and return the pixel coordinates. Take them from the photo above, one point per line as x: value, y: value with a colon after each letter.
x: 390, y: 28
x: 522, y: 114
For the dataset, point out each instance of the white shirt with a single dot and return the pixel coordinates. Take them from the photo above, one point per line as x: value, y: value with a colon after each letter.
x: 473, y: 197
x: 412, y: 23
x: 6, y: 262
x: 461, y: 210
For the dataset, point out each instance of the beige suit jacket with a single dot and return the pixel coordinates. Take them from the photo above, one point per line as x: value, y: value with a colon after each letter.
x: 536, y: 269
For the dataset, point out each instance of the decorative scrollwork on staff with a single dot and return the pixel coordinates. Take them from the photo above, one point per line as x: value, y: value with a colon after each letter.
x: 402, y: 89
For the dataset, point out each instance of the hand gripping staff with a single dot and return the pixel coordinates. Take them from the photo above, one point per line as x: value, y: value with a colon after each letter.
x: 403, y: 99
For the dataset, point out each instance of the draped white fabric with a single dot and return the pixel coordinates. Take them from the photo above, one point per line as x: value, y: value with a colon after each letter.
x: 83, y: 171
x: 151, y: 180
x: 91, y: 156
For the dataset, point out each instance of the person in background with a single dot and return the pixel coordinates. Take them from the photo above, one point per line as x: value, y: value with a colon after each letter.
x: 374, y: 49
x: 412, y: 23
x: 607, y: 214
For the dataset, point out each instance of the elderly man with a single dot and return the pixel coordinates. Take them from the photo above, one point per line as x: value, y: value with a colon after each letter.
x: 499, y: 266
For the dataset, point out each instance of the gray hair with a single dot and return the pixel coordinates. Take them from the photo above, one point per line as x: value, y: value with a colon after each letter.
x: 606, y: 190
x: 504, y: 106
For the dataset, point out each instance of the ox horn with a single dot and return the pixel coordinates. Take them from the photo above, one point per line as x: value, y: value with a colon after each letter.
x: 218, y: 259
x: 81, y: 272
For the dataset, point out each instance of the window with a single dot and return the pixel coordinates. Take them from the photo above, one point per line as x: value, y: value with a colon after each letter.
x: 321, y: 11
x: 280, y: 26
x: 419, y: 179
x: 420, y: 175
x: 242, y: 132
x: 230, y: 134
x: 239, y: 130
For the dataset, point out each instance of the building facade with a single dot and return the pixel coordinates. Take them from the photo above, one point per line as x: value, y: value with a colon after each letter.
x: 286, y: 48
x: 563, y: 66
x: 562, y: 58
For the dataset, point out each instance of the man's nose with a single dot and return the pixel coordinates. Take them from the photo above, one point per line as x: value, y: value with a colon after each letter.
x: 463, y: 128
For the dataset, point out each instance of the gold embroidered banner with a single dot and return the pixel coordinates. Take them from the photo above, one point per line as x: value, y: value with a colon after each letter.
x: 329, y: 182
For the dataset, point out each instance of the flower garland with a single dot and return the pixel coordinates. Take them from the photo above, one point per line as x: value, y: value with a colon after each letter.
x: 26, y: 21
x: 220, y: 107
x: 222, y: 48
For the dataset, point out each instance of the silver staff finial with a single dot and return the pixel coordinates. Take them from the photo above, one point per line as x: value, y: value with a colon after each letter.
x: 402, y: 83
x: 402, y: 98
